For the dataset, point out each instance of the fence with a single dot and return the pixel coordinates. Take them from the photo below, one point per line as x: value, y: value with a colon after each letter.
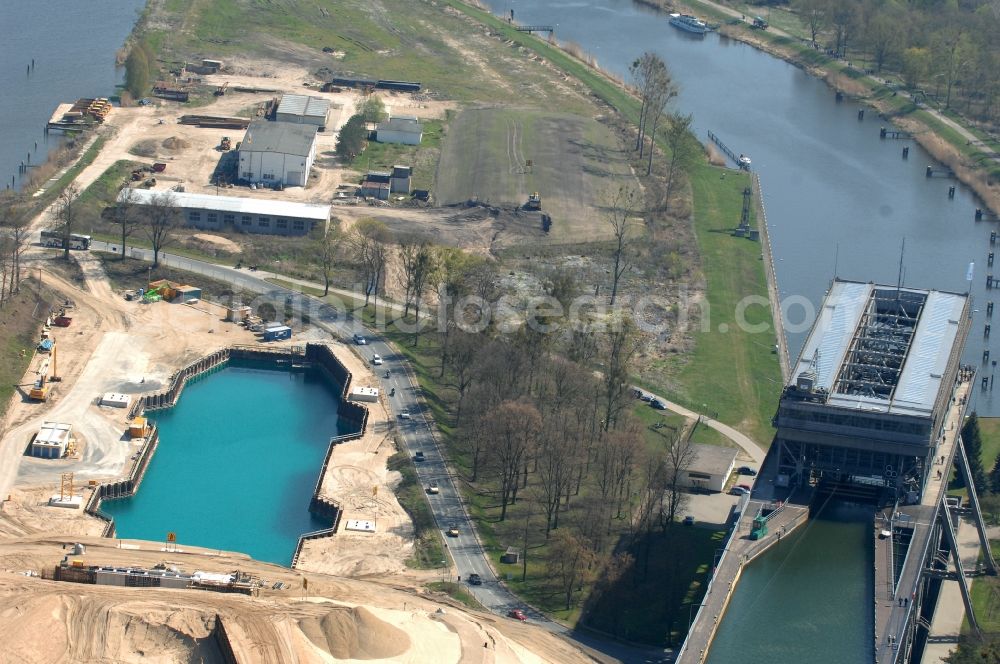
x: 123, y: 488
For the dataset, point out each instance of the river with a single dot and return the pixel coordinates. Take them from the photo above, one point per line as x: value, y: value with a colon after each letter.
x: 73, y: 45
x: 839, y: 200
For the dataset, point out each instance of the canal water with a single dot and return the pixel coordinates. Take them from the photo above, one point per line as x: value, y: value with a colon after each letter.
x: 73, y: 44
x: 808, y: 599
x: 238, y: 460
x: 839, y: 200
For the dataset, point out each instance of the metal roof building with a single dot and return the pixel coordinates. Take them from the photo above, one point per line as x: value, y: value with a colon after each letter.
x: 277, y: 153
x: 866, y: 400
x: 250, y: 215
x: 404, y: 129
x: 302, y: 109
x: 51, y: 440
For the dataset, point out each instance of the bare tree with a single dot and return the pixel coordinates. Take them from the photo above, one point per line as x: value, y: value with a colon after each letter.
x: 814, y: 13
x: 425, y: 268
x: 570, y: 563
x: 16, y: 225
x: 461, y: 358
x: 408, y: 246
x: 679, y: 457
x: 369, y: 241
x: 162, y: 220
x: 513, y: 428
x: 621, y: 345
x: 684, y: 150
x: 622, y: 202
x: 662, y: 91
x: 644, y: 72
x: 125, y: 214
x: 67, y: 213
x: 327, y: 255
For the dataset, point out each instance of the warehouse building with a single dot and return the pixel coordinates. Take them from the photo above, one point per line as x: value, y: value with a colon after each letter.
x: 247, y: 215
x: 302, y: 109
x: 405, y: 129
x: 866, y: 402
x: 277, y: 153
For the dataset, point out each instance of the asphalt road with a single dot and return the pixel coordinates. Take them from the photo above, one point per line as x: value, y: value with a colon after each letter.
x: 417, y: 433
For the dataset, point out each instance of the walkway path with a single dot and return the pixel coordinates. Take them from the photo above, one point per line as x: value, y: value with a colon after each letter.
x: 746, y: 443
x: 950, y: 612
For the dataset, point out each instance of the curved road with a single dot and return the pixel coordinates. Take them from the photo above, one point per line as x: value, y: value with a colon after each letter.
x: 416, y: 433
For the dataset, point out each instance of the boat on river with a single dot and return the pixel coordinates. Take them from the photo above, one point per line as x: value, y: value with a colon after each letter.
x: 689, y: 23
x: 743, y: 162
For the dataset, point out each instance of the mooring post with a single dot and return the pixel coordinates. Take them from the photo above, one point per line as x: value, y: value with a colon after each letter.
x: 951, y: 191
x: 979, y: 215
x: 906, y: 152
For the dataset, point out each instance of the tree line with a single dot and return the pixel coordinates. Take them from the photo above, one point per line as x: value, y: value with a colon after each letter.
x: 950, y: 50
x: 539, y: 413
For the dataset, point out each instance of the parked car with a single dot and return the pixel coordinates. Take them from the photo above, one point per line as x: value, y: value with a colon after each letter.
x: 377, y: 359
x: 433, y: 488
x: 405, y: 415
x: 738, y: 491
x: 747, y: 470
x: 658, y: 405
x: 475, y: 580
x: 637, y: 393
x: 452, y: 531
x: 688, y: 520
x: 418, y: 456
x: 360, y: 340
x: 646, y: 397
x: 745, y: 487
x: 517, y: 614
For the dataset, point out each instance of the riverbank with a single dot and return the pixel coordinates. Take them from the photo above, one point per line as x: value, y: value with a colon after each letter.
x: 943, y: 138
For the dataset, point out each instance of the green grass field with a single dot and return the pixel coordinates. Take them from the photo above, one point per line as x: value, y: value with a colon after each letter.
x: 380, y: 39
x: 575, y: 161
x: 732, y: 373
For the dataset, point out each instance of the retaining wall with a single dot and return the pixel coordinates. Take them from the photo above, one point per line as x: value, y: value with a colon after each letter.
x: 349, y: 411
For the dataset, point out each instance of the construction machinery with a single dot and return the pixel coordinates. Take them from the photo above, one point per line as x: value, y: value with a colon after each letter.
x: 40, y: 390
x: 226, y: 145
x: 534, y: 202
x: 221, y: 90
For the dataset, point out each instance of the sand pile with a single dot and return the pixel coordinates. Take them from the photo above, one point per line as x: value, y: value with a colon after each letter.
x: 354, y: 633
x: 69, y: 628
x: 174, y: 143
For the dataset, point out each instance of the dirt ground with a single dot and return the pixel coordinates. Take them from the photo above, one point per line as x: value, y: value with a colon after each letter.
x: 115, y: 345
x: 333, y: 620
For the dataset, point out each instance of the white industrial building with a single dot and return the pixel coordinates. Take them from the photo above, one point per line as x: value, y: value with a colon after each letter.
x: 302, y: 109
x: 710, y: 468
x: 277, y: 153
x: 247, y: 215
x: 405, y: 129
x: 51, y: 440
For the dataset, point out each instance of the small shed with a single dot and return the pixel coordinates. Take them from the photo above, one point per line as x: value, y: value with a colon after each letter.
x: 369, y: 394
x: 405, y: 129
x: 138, y: 428
x: 237, y: 314
x: 277, y: 333
x: 115, y: 400
x: 187, y: 293
x: 399, y: 183
x: 710, y: 467
x: 51, y: 440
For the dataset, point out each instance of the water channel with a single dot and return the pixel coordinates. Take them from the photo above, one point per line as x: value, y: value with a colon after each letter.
x: 237, y: 462
x: 794, y: 605
x: 73, y: 45
x: 837, y: 197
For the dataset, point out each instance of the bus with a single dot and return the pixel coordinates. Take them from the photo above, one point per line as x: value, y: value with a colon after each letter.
x: 55, y: 239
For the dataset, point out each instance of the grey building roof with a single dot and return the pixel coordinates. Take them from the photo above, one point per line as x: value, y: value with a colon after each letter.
x: 712, y: 459
x: 402, y: 124
x: 918, y: 349
x: 304, y: 105
x: 279, y: 137
x: 187, y: 200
